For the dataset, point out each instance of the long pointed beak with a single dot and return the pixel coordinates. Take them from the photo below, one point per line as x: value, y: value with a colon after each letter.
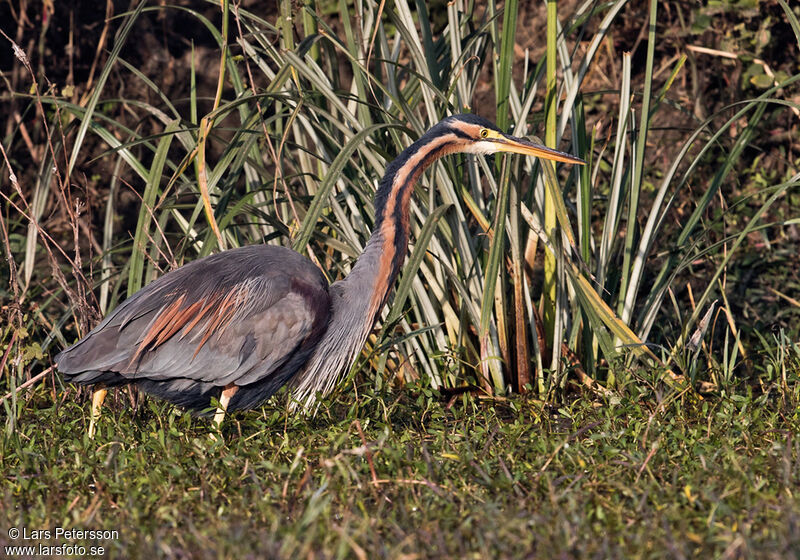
x: 507, y: 143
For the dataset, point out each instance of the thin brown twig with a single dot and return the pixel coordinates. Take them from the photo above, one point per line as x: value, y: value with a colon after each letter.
x: 731, y: 55
x: 27, y: 384
x: 100, y: 45
x: 12, y: 265
x: 367, y: 452
x: 26, y: 137
x: 7, y: 353
x: 653, y: 449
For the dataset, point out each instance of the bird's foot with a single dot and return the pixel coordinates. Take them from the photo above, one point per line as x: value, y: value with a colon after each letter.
x: 98, y: 396
x: 224, y: 399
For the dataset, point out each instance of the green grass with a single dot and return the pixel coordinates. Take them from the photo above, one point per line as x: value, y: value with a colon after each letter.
x: 640, y: 477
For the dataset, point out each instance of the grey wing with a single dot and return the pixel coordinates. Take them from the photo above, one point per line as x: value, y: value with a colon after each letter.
x: 238, y: 317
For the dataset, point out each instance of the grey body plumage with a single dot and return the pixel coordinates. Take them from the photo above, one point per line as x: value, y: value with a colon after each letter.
x: 257, y: 346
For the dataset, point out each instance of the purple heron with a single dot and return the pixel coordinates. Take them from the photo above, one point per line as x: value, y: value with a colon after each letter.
x: 240, y: 324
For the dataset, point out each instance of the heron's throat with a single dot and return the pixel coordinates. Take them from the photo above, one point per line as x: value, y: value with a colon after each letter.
x: 386, y: 249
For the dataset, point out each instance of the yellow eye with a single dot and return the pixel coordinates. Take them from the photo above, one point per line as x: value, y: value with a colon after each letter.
x: 484, y: 132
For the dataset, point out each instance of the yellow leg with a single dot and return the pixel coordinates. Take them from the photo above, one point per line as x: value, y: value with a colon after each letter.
x: 98, y: 396
x: 224, y: 399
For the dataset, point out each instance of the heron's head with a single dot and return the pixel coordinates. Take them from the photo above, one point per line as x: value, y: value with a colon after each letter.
x: 479, y: 136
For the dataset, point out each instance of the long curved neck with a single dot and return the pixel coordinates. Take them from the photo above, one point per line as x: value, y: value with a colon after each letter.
x: 376, y: 269
x: 357, y: 299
